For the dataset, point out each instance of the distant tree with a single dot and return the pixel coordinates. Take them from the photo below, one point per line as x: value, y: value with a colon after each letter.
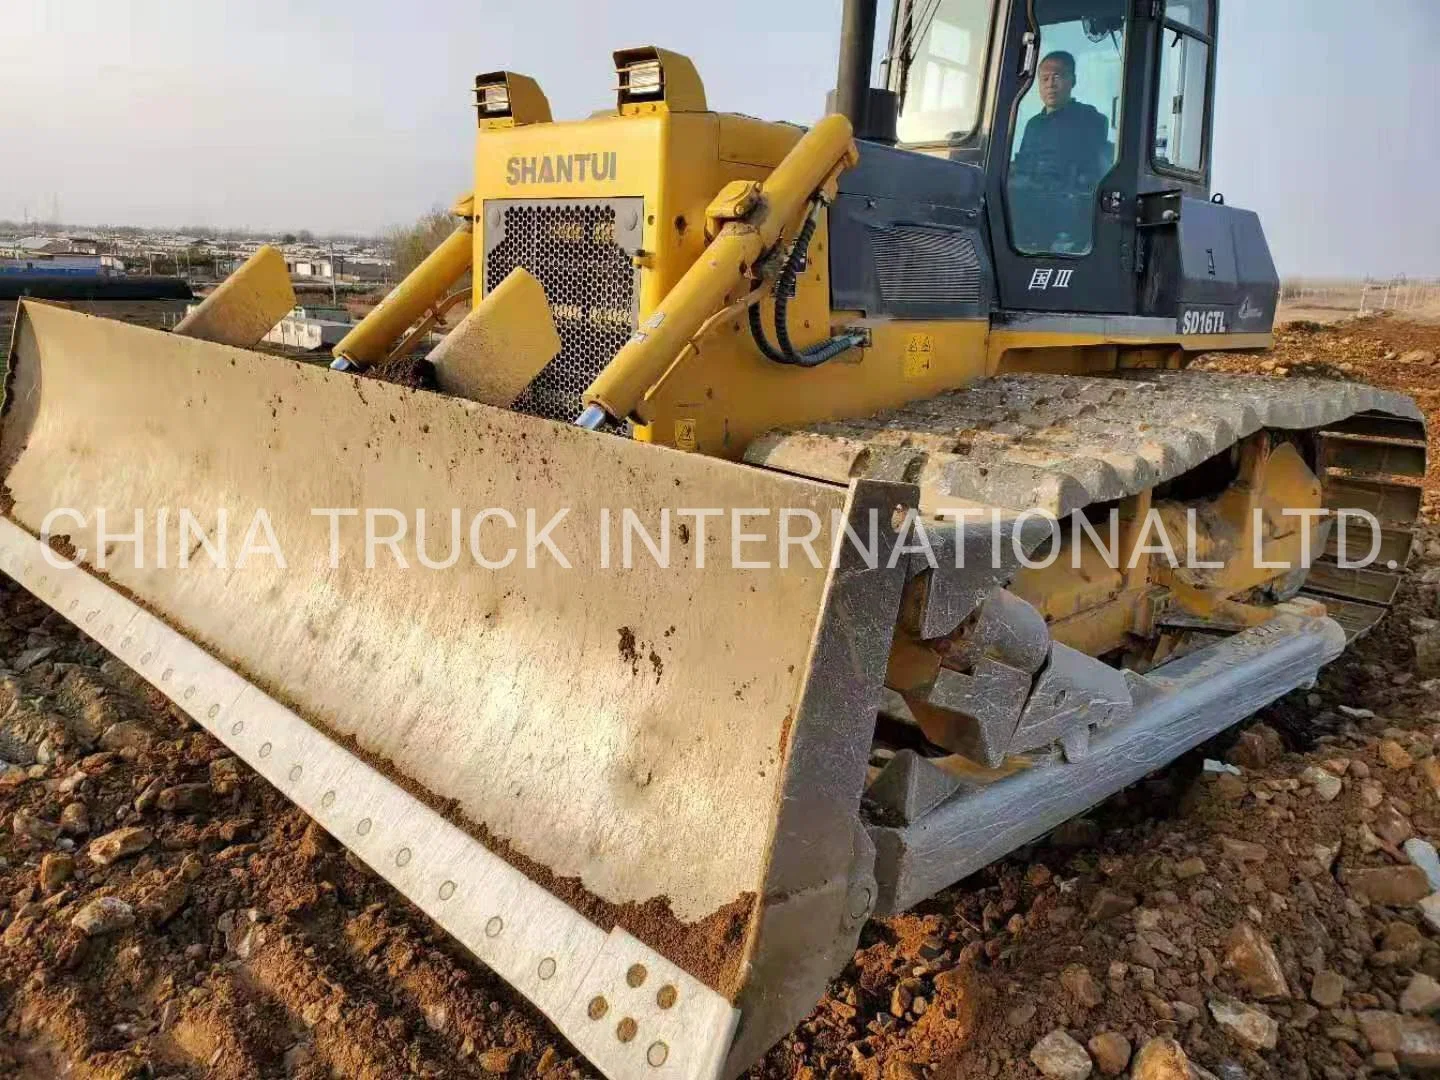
x: 199, y: 255
x: 408, y: 246
x: 288, y: 238
x: 305, y: 236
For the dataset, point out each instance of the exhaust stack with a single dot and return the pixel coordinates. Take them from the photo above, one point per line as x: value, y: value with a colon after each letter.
x: 857, y: 49
x: 872, y: 112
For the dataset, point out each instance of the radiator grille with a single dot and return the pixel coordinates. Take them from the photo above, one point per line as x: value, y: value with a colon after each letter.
x: 575, y: 249
x: 919, y: 265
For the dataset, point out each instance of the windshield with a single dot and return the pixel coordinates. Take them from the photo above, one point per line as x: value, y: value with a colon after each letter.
x: 940, y: 52
x: 1067, y: 128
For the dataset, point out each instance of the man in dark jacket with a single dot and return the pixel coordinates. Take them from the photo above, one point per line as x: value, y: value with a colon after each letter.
x: 1064, y: 153
x: 1066, y: 145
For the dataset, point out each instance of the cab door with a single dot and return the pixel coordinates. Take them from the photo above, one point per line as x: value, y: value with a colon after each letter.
x: 1064, y: 156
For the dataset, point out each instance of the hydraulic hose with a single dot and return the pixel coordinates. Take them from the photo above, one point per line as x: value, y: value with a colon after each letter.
x: 783, y: 292
x: 762, y: 342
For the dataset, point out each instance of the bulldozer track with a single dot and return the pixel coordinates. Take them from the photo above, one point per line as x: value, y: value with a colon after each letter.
x: 1059, y: 443
x: 1012, y: 702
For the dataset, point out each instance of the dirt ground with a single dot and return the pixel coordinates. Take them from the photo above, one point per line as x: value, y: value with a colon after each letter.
x: 165, y: 913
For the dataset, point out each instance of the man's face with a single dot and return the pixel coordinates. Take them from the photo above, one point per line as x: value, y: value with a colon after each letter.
x: 1056, y: 84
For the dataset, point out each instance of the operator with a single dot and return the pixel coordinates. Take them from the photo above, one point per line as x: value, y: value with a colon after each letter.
x: 1065, y: 147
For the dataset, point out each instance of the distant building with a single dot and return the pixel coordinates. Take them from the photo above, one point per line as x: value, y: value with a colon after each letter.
x: 66, y: 265
x: 311, y: 328
x: 339, y: 268
x: 83, y: 244
x: 36, y: 245
x: 364, y: 270
x: 309, y: 267
x: 52, y: 245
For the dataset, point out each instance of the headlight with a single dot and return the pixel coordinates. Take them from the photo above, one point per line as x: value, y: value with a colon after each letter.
x: 495, y: 99
x: 643, y: 79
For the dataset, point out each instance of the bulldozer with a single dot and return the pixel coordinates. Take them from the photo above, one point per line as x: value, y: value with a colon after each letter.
x: 656, y: 782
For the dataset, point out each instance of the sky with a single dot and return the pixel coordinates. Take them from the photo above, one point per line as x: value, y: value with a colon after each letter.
x: 287, y: 115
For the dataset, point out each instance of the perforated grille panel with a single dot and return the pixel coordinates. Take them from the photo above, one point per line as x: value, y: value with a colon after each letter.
x: 580, y: 252
x: 915, y: 264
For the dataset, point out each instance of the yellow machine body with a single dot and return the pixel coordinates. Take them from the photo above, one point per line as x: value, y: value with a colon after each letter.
x: 719, y: 393
x: 694, y: 170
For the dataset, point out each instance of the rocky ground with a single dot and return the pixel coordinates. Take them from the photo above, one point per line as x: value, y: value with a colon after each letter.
x: 165, y: 913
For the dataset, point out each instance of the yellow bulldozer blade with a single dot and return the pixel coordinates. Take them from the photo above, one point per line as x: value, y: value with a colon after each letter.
x: 629, y: 790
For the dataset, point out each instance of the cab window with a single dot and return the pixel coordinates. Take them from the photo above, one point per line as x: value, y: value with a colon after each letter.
x: 1185, y: 46
x: 1066, y: 134
x: 941, y: 50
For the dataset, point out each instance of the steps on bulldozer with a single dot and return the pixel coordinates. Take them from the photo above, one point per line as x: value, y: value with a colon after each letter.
x: 941, y: 819
x: 1376, y: 463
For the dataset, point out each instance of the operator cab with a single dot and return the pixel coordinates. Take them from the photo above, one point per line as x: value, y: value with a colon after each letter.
x: 1090, y: 120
